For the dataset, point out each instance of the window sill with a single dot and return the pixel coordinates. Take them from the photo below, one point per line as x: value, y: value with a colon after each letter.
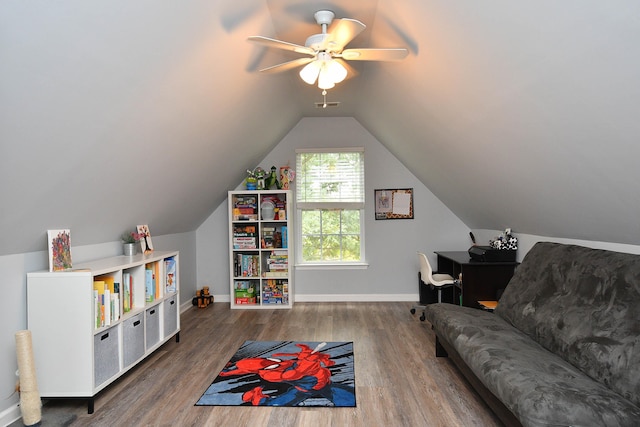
x: 334, y: 266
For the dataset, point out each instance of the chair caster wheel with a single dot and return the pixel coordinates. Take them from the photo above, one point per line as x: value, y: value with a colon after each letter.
x: 413, y: 311
x: 422, y: 318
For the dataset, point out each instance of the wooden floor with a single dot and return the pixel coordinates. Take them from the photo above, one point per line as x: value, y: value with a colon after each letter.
x: 399, y: 382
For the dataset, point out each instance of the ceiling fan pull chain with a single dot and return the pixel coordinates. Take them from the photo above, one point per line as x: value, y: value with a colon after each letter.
x: 324, y: 97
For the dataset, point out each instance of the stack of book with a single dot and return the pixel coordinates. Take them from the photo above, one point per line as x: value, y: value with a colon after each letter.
x: 106, y: 301
x: 244, y: 237
x: 277, y: 264
x: 245, y: 208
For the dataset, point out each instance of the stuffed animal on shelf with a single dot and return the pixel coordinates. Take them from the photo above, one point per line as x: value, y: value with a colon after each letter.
x: 272, y: 180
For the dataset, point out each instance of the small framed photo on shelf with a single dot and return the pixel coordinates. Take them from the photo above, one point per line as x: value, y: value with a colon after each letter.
x: 145, y: 240
x: 394, y: 203
x: 59, y: 242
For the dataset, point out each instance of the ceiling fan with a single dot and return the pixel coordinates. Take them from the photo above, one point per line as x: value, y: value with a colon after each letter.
x: 326, y: 54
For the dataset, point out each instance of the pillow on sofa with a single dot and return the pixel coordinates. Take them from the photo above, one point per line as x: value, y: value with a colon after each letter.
x: 582, y: 304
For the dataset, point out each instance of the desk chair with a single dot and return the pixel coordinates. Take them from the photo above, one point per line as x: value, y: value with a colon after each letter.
x: 437, y: 281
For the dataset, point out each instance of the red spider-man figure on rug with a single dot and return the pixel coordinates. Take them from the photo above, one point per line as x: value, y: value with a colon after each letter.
x: 306, y: 373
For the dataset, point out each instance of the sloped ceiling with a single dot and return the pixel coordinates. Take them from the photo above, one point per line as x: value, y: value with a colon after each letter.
x: 520, y: 114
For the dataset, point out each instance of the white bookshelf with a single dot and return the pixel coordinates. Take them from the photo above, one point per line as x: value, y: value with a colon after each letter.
x: 75, y: 354
x: 260, y: 249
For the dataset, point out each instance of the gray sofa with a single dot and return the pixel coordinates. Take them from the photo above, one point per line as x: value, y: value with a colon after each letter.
x: 563, y: 346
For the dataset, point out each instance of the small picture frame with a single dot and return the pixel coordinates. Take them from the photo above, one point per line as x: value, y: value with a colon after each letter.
x: 394, y: 203
x: 145, y: 241
x: 59, y: 242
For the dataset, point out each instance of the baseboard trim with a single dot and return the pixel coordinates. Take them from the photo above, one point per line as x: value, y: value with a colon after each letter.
x: 356, y: 297
x: 10, y: 415
x: 342, y: 298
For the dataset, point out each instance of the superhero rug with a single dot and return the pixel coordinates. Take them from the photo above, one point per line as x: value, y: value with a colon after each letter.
x: 286, y: 373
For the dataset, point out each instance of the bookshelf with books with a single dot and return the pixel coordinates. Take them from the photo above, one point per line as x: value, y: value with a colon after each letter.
x: 93, y: 323
x: 259, y: 249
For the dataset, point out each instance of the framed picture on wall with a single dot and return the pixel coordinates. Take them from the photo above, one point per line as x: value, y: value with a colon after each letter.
x: 394, y: 203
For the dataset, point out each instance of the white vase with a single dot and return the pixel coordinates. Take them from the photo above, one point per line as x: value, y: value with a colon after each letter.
x: 130, y: 249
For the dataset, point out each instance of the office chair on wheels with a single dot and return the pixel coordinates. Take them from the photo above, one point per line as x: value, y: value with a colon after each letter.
x: 438, y: 281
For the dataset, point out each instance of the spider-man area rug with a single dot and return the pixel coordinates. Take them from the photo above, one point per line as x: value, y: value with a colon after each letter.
x: 286, y: 373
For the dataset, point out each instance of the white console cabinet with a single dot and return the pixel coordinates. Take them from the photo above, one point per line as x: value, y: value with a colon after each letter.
x: 78, y: 348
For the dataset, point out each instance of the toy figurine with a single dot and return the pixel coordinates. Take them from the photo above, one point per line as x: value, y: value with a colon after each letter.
x: 272, y: 180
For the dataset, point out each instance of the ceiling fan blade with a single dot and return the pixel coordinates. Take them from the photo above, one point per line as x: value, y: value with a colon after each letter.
x: 287, y: 65
x: 341, y: 32
x: 393, y: 54
x: 351, y: 72
x: 279, y: 44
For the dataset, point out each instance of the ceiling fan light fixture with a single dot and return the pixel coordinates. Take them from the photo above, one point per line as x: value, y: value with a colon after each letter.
x: 336, y: 70
x: 324, y: 79
x: 325, y: 70
x: 310, y: 72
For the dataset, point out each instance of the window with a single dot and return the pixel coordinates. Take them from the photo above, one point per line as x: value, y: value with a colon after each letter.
x: 330, y: 204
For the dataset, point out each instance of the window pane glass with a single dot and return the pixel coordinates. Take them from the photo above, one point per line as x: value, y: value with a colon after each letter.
x: 331, y: 248
x: 311, y: 222
x: 351, y: 248
x: 351, y: 221
x: 311, y: 249
x: 327, y: 243
x: 331, y: 221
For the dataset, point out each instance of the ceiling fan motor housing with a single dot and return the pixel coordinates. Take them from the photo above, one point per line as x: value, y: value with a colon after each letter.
x: 316, y: 41
x: 324, y: 17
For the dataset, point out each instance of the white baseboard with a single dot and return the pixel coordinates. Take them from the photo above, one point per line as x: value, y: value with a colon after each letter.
x: 333, y: 298
x: 342, y: 298
x: 10, y: 415
x: 356, y: 297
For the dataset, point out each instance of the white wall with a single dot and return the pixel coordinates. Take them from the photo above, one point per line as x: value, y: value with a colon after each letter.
x: 526, y: 242
x: 390, y: 245
x: 13, y: 305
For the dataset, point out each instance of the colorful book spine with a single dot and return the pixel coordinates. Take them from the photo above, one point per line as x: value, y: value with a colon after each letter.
x: 170, y: 274
x: 149, y: 285
x: 126, y: 289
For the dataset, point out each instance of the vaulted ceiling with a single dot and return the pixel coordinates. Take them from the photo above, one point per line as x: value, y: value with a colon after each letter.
x: 521, y: 114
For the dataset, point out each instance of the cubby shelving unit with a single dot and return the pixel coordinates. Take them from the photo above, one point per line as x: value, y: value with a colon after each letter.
x: 260, y: 249
x: 84, y: 338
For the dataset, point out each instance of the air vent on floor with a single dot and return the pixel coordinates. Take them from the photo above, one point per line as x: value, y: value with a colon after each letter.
x: 327, y: 104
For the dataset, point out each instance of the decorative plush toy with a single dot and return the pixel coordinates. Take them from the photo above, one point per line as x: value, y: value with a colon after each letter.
x: 505, y: 241
x: 272, y: 180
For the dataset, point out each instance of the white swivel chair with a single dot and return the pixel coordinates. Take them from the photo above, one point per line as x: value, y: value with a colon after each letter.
x: 437, y: 281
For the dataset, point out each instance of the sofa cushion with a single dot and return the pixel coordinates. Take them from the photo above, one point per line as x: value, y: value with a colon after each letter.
x: 584, y: 305
x: 539, y: 387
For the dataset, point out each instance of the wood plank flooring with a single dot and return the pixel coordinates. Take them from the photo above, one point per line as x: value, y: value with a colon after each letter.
x: 399, y: 381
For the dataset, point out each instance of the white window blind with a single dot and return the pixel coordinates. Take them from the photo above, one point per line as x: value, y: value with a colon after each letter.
x: 332, y: 177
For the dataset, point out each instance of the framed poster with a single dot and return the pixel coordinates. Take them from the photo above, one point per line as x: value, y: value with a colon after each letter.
x: 394, y: 203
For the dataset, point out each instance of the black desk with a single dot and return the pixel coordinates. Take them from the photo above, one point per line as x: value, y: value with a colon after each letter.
x: 481, y: 280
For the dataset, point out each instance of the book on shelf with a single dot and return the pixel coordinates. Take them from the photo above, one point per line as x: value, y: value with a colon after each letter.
x: 171, y: 276
x: 283, y: 232
x: 127, y: 303
x: 149, y: 283
x: 106, y: 297
x: 247, y: 265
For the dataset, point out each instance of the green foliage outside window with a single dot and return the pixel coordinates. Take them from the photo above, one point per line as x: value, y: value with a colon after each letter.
x: 330, y: 235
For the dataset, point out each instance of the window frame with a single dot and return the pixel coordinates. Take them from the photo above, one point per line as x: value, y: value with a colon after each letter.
x: 302, y: 264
